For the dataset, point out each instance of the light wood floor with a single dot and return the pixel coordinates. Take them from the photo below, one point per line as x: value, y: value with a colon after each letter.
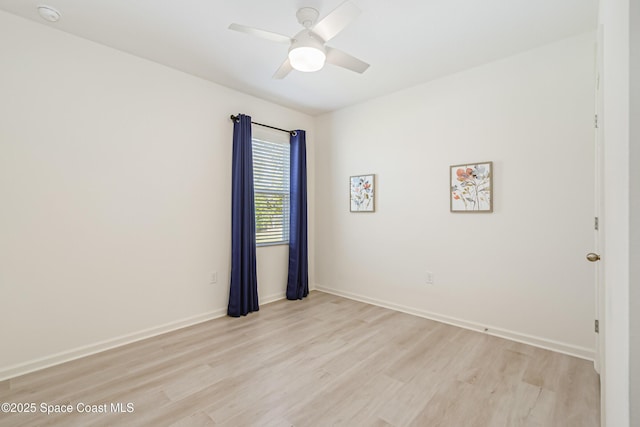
x: 322, y: 361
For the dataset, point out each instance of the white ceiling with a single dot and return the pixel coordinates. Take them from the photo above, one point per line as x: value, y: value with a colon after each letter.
x: 407, y: 42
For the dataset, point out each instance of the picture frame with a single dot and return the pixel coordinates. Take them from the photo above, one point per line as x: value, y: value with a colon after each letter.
x: 471, y: 187
x: 362, y: 189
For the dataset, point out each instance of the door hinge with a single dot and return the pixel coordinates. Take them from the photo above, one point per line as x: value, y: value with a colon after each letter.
x: 597, y: 326
x: 595, y: 122
x: 595, y: 223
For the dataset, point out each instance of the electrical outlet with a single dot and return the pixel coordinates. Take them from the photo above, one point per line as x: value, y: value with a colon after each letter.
x: 429, y: 278
x: 213, y: 278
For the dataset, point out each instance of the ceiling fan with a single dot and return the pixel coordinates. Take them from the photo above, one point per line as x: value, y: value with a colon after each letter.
x: 308, y: 51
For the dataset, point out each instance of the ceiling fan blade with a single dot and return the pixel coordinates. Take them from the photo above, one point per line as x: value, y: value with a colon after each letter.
x: 336, y: 21
x: 284, y: 69
x: 268, y: 35
x: 344, y: 60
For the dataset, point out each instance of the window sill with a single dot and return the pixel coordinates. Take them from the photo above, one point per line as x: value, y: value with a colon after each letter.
x: 263, y: 245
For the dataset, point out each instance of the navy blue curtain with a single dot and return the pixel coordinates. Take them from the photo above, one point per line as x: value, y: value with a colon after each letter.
x: 243, y: 292
x: 298, y: 279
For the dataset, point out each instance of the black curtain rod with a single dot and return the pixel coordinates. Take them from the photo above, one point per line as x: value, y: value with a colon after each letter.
x: 291, y: 132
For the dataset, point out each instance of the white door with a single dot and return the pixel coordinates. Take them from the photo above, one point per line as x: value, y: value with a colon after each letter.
x: 599, y: 266
x: 597, y: 241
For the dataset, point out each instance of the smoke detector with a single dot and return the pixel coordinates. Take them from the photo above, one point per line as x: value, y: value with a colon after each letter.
x: 48, y: 13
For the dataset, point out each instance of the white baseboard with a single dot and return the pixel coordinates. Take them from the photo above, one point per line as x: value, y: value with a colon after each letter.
x: 571, y: 350
x: 87, y: 350
x: 272, y: 298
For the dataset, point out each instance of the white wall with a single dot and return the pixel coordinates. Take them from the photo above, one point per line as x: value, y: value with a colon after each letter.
x: 519, y: 271
x: 115, y: 196
x: 614, y: 17
x: 634, y: 214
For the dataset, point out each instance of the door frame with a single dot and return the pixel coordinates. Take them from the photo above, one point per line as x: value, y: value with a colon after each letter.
x: 599, y: 232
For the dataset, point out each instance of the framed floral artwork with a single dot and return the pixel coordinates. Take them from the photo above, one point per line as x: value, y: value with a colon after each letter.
x: 471, y: 187
x: 362, y: 193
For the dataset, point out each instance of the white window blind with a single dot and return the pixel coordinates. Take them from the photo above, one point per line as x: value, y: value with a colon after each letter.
x: 271, y: 188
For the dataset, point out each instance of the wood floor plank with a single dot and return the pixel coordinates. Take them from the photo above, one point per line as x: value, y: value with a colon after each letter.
x: 4, y: 388
x: 324, y: 360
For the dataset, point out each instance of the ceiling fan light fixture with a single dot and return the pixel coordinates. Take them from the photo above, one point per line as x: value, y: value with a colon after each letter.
x: 307, y: 53
x: 307, y: 59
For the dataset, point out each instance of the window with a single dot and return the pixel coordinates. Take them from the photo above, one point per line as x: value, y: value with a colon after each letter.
x: 271, y: 188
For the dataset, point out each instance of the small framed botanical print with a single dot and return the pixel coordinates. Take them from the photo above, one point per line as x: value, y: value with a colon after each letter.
x: 471, y: 187
x: 362, y: 190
